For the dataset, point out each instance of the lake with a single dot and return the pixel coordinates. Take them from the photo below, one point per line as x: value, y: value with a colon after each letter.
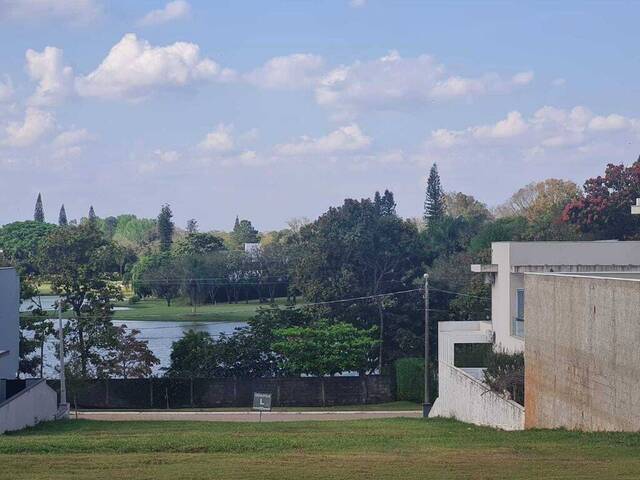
x: 159, y: 335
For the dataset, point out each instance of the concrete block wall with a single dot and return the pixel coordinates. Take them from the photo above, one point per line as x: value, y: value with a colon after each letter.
x: 582, y: 353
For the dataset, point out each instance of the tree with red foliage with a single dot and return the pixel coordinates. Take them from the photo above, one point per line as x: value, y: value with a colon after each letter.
x: 605, y: 208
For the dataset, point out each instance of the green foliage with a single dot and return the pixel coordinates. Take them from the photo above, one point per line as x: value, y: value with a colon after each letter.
x: 38, y: 213
x: 325, y: 349
x: 410, y: 379
x: 21, y: 242
x: 193, y: 356
x: 198, y: 244
x: 133, y: 299
x: 502, y: 230
x: 155, y: 274
x: 505, y: 374
x: 385, y: 204
x: 434, y: 203
x: 136, y: 233
x: 129, y: 357
x: 243, y: 232
x: 62, y: 217
x: 165, y: 228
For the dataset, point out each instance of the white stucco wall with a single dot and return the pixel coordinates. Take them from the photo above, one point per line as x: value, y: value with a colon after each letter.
x: 466, y: 399
x: 31, y: 406
x: 9, y: 321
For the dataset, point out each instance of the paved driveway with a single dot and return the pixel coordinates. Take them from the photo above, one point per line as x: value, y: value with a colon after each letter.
x: 244, y: 416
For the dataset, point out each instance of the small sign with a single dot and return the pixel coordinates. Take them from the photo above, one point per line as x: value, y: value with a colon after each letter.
x: 262, y: 402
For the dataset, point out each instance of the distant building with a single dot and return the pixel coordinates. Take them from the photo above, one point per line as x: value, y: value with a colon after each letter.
x: 462, y: 393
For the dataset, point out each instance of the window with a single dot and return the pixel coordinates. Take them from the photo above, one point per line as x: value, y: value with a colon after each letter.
x: 517, y: 326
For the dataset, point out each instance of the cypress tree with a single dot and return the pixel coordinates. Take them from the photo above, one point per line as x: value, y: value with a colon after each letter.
x: 92, y: 214
x: 62, y: 217
x: 165, y: 228
x: 434, y: 200
x: 38, y: 214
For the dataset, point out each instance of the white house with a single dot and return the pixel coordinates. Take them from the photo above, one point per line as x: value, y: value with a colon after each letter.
x: 461, y: 393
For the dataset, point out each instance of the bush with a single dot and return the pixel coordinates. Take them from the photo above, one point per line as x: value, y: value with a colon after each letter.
x: 133, y: 299
x: 505, y: 374
x: 410, y: 379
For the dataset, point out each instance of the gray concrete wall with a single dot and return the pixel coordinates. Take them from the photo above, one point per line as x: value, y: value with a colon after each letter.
x: 582, y: 353
x: 35, y: 404
x: 9, y: 321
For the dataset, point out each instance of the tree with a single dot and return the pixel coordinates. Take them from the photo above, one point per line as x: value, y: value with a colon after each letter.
x: 540, y: 200
x: 139, y: 234
x: 604, y: 211
x: 165, y: 228
x: 199, y: 244
x: 22, y: 241
x: 155, y: 274
x: 192, y: 226
x: 385, y: 204
x: 109, y: 226
x: 243, y: 232
x: 434, y: 206
x: 38, y: 214
x: 325, y: 349
x: 74, y: 258
x: 92, y: 214
x: 193, y: 356
x: 62, y: 217
x: 131, y: 357
x: 458, y: 204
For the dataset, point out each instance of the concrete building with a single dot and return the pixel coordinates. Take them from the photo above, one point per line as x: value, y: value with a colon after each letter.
x: 510, y: 263
x: 22, y: 402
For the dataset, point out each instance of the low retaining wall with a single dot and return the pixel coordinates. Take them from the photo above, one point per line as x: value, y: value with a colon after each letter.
x: 229, y: 392
x: 36, y: 403
x: 469, y: 400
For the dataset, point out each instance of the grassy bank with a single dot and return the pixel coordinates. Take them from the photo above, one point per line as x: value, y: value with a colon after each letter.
x: 381, y: 449
x: 181, y: 311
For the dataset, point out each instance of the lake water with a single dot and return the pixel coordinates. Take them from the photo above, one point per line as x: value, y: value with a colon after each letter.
x: 159, y: 334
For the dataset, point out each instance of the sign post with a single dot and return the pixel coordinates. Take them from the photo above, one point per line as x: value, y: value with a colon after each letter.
x: 262, y: 403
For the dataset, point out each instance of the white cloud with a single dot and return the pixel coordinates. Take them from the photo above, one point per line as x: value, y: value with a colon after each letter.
x: 55, y: 80
x: 37, y: 123
x: 73, y: 11
x: 345, y: 139
x: 159, y: 158
x: 357, y: 3
x: 299, y: 70
x: 6, y: 89
x: 393, y: 81
x: 72, y: 137
x: 172, y: 11
x: 134, y: 69
x: 219, y: 140
x: 550, y: 133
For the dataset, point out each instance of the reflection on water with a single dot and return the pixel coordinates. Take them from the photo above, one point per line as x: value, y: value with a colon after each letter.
x: 159, y: 334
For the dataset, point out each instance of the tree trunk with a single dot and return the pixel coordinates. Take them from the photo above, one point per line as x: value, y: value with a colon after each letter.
x: 381, y: 337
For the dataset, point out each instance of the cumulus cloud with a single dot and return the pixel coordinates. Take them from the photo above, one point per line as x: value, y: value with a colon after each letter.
x: 392, y: 81
x: 299, y: 70
x: 6, y: 89
x: 73, y: 11
x: 549, y: 133
x: 219, y: 140
x: 175, y: 10
x: 55, y: 80
x: 36, y: 124
x: 159, y: 157
x: 345, y: 139
x: 134, y: 69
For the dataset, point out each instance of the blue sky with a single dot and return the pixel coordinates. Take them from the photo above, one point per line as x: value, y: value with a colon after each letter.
x: 273, y: 110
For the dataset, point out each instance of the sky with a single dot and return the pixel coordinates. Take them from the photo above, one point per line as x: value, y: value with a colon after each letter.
x: 281, y: 109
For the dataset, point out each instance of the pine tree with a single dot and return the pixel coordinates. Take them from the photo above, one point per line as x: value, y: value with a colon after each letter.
x: 236, y: 225
x: 434, y: 201
x: 38, y: 214
x: 62, y: 217
x: 92, y: 214
x: 165, y: 228
x: 192, y: 226
x: 385, y: 204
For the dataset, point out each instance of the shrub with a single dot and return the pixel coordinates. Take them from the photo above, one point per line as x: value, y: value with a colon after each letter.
x: 410, y: 379
x: 505, y: 374
x: 133, y: 299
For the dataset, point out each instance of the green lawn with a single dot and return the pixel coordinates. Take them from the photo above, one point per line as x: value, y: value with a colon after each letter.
x: 181, y: 311
x: 364, y: 449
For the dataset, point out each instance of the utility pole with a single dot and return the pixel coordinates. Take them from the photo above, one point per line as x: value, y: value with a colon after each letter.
x: 426, y: 406
x: 63, y: 408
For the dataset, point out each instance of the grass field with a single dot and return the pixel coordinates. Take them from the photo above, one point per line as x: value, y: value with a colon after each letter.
x: 181, y: 311
x: 365, y: 449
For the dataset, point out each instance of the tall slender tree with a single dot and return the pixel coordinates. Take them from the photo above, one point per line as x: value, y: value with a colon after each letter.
x: 434, y: 206
x: 165, y: 228
x: 62, y: 217
x: 192, y: 226
x: 38, y: 214
x: 92, y: 214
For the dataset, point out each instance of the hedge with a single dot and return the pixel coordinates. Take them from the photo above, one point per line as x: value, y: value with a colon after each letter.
x: 410, y: 379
